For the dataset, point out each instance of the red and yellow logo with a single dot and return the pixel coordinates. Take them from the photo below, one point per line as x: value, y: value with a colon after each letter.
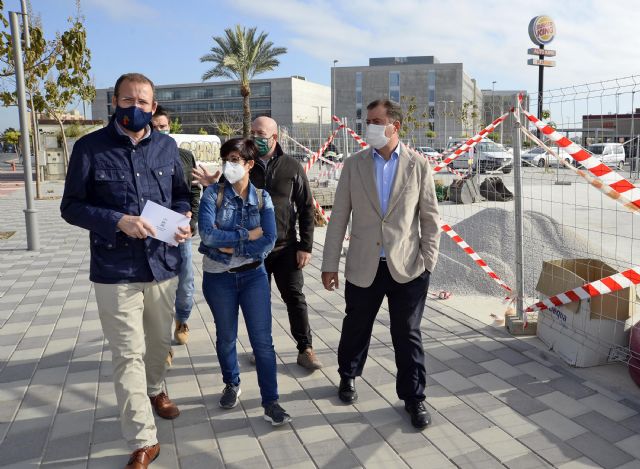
x: 542, y: 29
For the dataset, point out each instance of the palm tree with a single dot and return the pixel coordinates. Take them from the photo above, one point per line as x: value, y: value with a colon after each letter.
x: 241, y: 55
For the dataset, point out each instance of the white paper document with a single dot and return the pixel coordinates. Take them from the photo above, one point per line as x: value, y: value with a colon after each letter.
x: 164, y: 220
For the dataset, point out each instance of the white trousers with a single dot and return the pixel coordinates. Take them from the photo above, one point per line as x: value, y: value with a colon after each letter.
x: 137, y: 319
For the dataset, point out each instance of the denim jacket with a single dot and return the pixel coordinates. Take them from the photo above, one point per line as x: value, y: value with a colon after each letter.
x: 229, y: 227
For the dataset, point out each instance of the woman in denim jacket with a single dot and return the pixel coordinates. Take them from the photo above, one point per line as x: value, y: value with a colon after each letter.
x: 237, y: 233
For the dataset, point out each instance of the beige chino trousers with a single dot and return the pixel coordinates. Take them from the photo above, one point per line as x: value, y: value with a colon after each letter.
x: 136, y: 319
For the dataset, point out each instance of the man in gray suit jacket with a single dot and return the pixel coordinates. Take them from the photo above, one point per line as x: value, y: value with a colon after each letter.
x: 390, y: 195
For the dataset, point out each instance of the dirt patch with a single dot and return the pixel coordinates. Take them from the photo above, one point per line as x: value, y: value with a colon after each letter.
x: 6, y: 234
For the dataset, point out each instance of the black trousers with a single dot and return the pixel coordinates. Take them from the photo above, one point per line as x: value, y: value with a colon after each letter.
x: 406, y: 305
x: 283, y: 266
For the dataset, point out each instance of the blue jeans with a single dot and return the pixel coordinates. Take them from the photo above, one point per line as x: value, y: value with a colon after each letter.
x: 227, y: 292
x: 186, y: 287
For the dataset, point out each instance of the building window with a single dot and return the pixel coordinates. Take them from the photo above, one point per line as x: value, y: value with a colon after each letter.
x: 394, y: 86
x: 358, y: 97
x: 394, y: 79
x: 431, y: 86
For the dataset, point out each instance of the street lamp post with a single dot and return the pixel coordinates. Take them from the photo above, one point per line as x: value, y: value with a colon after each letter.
x: 493, y: 90
x: 320, y: 115
x: 31, y: 218
x: 333, y: 93
x: 445, y: 122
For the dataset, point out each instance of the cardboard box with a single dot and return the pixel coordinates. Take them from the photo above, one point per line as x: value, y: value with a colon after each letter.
x: 587, y: 332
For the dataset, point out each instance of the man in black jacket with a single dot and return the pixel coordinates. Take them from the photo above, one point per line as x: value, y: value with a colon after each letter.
x: 285, y: 180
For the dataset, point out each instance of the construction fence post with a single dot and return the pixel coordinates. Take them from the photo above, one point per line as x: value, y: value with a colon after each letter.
x: 518, y: 212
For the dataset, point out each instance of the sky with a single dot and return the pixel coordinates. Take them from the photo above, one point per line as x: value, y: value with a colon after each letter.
x: 164, y: 39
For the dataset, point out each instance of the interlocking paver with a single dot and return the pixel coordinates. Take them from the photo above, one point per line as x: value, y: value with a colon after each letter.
x: 600, y: 450
x: 557, y: 424
x: 564, y: 404
x: 604, y: 427
x: 631, y: 445
x: 492, y: 396
x: 549, y: 447
x: 608, y: 407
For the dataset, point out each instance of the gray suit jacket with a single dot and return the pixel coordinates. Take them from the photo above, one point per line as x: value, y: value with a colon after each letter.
x: 409, y: 231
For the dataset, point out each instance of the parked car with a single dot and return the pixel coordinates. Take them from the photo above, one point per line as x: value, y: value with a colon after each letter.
x: 428, y: 151
x: 487, y: 156
x: 611, y: 154
x: 539, y: 157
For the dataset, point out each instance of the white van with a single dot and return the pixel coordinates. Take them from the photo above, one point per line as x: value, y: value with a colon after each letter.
x: 206, y: 148
x: 611, y: 154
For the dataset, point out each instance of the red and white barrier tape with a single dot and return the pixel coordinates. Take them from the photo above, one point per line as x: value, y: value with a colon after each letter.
x: 433, y: 159
x: 605, y: 285
x: 596, y: 167
x: 321, y: 210
x: 355, y: 136
x: 474, y: 255
x: 320, y: 152
x: 311, y: 152
x: 592, y: 180
x: 472, y: 142
x: 311, y: 162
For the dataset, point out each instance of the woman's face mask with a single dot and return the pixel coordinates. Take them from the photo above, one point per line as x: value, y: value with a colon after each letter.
x: 232, y: 171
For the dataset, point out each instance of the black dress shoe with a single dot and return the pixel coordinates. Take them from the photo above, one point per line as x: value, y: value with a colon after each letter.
x: 420, y: 416
x: 347, y: 390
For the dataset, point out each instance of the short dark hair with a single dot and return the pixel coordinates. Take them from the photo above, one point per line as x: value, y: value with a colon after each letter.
x: 244, y: 146
x: 162, y: 111
x: 394, y: 111
x: 134, y: 77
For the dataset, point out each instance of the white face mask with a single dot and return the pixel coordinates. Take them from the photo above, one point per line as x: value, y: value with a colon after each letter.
x: 233, y: 172
x: 375, y: 135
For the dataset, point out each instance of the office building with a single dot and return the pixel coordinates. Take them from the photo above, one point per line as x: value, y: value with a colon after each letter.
x: 291, y: 100
x: 447, y: 101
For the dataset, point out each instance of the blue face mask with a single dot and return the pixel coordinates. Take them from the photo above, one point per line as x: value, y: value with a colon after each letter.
x: 132, y: 118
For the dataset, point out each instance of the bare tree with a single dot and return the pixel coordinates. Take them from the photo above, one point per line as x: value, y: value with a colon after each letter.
x: 227, y: 124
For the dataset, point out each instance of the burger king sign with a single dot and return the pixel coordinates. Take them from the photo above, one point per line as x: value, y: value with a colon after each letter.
x: 542, y: 29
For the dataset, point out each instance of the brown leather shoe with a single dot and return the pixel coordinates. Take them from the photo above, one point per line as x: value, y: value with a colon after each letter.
x: 181, y: 334
x: 142, y: 457
x: 308, y: 359
x: 164, y: 407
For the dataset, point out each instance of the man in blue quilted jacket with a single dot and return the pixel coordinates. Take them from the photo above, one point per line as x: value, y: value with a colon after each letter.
x: 112, y: 174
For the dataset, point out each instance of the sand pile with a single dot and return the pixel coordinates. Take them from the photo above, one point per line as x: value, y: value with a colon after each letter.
x: 491, y: 233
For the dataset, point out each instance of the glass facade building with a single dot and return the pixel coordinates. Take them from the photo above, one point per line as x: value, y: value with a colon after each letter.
x: 202, y: 105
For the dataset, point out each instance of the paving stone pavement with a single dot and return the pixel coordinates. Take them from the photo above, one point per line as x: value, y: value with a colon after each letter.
x: 496, y: 401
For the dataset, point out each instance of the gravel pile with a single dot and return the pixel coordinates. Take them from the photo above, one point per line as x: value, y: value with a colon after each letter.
x: 491, y: 233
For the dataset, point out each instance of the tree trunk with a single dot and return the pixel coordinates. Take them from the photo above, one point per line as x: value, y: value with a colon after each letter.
x: 65, y: 150
x: 245, y: 91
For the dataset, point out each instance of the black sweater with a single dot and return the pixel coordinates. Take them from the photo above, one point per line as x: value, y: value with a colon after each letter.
x: 286, y: 182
